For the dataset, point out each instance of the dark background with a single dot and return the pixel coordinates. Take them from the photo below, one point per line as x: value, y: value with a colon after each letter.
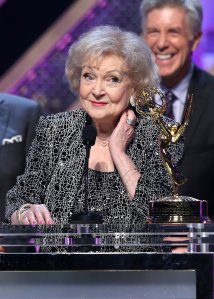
x: 22, y: 22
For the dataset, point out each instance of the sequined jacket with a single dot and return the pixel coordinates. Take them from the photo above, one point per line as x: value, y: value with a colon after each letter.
x: 55, y: 162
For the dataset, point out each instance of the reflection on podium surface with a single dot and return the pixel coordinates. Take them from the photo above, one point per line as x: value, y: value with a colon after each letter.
x: 79, y: 259
x: 192, y: 237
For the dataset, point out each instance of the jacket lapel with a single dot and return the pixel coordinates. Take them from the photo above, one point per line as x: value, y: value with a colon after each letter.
x: 196, y: 89
x: 4, y: 115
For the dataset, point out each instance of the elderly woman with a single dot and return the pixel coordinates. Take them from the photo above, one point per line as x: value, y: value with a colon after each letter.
x: 106, y: 67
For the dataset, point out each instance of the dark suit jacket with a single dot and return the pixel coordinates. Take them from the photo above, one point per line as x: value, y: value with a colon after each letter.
x: 18, y: 118
x: 197, y: 164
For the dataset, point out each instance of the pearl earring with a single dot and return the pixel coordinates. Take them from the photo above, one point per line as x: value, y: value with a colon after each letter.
x: 132, y: 101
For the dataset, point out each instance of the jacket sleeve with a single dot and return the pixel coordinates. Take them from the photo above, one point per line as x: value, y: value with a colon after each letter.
x: 31, y: 186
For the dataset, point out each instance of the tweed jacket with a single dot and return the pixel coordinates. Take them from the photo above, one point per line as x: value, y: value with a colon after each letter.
x: 55, y: 163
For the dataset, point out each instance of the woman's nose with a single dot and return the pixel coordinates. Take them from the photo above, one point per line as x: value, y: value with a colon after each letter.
x: 98, y: 88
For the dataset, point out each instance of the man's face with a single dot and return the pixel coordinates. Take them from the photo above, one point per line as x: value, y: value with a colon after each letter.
x: 168, y: 33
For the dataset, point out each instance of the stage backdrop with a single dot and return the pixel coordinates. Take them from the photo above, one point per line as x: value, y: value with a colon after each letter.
x: 43, y: 79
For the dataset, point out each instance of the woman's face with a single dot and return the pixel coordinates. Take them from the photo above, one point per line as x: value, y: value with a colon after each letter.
x: 105, y: 87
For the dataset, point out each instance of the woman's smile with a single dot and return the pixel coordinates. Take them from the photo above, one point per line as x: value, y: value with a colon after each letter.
x: 98, y: 104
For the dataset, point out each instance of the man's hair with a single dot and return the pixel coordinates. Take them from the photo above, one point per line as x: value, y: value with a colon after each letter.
x: 193, y: 9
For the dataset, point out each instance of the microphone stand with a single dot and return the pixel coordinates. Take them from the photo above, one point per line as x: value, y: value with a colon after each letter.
x: 86, y: 217
x: 85, y: 174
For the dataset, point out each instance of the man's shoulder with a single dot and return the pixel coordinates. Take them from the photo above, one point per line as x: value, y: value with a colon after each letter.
x: 201, y: 76
x: 11, y: 101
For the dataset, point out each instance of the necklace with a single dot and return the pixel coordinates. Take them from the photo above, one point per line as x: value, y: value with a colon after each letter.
x: 103, y: 142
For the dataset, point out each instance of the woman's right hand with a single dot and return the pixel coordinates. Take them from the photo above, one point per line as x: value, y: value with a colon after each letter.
x: 122, y: 134
x: 36, y: 214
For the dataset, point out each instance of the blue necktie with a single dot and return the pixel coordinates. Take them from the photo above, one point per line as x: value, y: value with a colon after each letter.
x: 170, y: 98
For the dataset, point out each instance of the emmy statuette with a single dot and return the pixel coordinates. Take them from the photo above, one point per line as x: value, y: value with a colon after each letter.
x: 174, y: 208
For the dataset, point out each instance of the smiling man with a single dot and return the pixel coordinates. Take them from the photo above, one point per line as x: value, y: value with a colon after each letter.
x: 172, y: 29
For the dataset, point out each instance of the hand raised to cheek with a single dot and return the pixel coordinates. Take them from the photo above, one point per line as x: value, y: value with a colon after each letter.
x: 124, y: 131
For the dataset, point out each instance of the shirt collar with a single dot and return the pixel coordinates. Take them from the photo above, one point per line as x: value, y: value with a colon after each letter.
x: 181, y: 88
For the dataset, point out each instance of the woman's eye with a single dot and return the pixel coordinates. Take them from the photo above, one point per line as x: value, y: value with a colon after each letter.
x: 113, y: 79
x: 88, y: 76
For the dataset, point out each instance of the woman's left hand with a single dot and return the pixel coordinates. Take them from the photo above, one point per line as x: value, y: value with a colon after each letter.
x: 123, y: 133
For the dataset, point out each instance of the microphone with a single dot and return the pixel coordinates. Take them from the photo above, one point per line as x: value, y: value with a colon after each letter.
x: 89, y: 134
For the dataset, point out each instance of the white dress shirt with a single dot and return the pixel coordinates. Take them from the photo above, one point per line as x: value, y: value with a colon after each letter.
x: 180, y: 91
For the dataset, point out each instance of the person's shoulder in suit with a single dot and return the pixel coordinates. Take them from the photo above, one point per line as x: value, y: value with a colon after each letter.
x: 22, y: 114
x: 19, y: 117
x: 202, y: 77
x: 12, y: 101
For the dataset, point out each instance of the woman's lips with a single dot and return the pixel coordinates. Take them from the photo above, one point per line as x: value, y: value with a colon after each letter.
x: 98, y: 103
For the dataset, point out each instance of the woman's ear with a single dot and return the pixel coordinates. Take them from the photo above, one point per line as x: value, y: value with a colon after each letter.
x: 132, y: 101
